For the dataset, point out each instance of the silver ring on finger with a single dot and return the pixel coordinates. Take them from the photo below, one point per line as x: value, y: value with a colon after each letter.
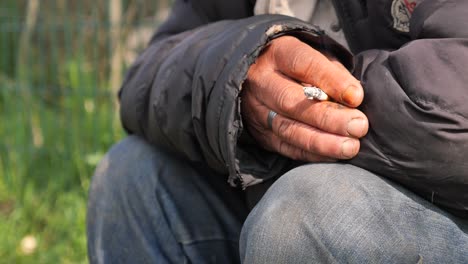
x: 271, y: 115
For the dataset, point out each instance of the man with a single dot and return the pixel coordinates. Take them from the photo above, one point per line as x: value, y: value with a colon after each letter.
x: 218, y: 94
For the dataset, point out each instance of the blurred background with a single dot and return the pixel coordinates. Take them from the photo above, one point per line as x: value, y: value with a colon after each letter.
x: 61, y: 65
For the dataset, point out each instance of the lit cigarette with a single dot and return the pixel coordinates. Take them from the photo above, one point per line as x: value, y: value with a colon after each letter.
x: 312, y: 92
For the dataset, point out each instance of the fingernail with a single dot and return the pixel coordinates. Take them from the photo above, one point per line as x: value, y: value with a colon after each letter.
x: 348, y: 148
x: 352, y: 95
x: 356, y: 127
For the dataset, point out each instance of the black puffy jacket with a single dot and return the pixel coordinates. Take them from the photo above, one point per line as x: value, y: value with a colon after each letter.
x: 182, y: 93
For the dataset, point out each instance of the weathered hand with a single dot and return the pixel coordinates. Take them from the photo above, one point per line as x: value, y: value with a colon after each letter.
x: 304, y: 129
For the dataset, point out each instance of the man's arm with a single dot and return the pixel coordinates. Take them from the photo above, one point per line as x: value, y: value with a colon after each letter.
x: 183, y: 93
x: 416, y: 101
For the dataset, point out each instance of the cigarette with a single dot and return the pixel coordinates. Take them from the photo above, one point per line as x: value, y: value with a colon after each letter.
x: 312, y: 92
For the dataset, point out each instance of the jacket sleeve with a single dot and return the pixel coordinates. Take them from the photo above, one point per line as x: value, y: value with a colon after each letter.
x: 182, y: 93
x: 416, y: 101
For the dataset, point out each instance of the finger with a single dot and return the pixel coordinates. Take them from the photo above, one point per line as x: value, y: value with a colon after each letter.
x: 299, y: 135
x: 305, y: 64
x: 313, y: 140
x: 296, y: 153
x: 272, y: 142
x: 286, y: 97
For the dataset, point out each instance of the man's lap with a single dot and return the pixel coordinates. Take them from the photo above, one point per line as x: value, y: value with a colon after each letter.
x: 146, y: 205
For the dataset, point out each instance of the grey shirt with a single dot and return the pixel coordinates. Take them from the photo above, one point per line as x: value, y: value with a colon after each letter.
x: 317, y: 12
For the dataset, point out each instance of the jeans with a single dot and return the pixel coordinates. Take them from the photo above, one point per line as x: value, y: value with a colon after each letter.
x: 149, y: 206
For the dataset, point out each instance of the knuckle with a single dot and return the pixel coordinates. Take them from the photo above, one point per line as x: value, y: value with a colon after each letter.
x: 284, y: 99
x: 286, y: 129
x: 310, y: 67
x: 325, y: 116
x: 302, y: 63
x: 295, y: 62
x: 304, y: 155
x: 283, y: 126
x: 313, y: 142
x: 283, y: 148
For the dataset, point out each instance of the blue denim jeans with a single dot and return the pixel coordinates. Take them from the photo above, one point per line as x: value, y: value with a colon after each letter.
x: 149, y: 206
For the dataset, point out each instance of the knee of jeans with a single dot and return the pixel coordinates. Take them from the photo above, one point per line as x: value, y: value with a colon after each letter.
x: 326, y: 184
x: 301, y: 203
x: 318, y: 184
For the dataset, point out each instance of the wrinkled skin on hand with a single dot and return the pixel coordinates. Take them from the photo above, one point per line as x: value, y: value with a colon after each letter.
x: 307, y: 130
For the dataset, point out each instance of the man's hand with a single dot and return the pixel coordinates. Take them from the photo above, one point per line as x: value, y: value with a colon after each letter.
x: 304, y: 129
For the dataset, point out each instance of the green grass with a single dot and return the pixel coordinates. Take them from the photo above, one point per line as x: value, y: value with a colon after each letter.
x: 50, y: 145
x: 57, y: 118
